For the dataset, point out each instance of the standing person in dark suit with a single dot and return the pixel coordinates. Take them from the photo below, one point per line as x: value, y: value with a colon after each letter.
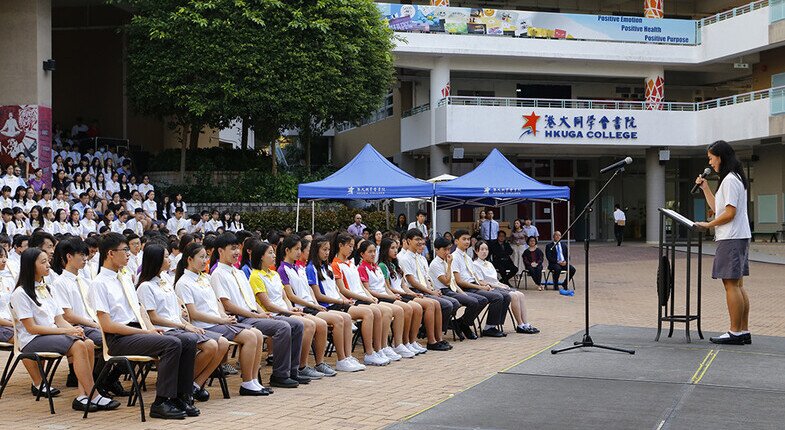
x: 556, y: 253
x: 501, y: 254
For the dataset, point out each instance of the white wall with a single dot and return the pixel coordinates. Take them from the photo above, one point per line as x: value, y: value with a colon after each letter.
x: 504, y: 125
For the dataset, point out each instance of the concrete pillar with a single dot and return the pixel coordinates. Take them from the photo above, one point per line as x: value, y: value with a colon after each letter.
x: 654, y: 8
x: 654, y: 86
x: 439, y: 89
x: 655, y: 193
x: 25, y: 88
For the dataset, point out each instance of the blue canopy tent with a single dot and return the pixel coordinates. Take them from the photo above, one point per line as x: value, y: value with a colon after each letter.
x: 497, y: 182
x: 369, y: 176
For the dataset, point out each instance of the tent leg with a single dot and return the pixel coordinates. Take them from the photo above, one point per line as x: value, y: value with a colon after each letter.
x: 313, y: 217
x: 433, y: 227
x: 387, y: 214
x: 569, y: 252
x: 297, y: 219
x: 553, y: 220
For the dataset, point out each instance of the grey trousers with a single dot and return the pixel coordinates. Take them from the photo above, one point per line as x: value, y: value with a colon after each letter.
x: 175, y: 359
x: 287, y: 335
x: 449, y: 306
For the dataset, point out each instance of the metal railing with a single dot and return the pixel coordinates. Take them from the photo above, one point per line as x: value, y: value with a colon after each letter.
x: 728, y: 14
x: 415, y: 110
x: 777, y: 94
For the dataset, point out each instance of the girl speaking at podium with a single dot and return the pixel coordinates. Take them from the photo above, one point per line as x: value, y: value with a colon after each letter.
x: 732, y: 235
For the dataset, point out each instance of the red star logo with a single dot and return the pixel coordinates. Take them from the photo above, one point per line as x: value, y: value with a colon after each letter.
x: 531, y: 123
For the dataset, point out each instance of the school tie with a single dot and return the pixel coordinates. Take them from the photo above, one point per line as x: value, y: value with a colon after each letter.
x: 453, y: 285
x: 131, y: 302
x: 248, y: 301
x: 84, y: 293
x: 42, y: 291
x: 469, y: 266
x: 420, y: 277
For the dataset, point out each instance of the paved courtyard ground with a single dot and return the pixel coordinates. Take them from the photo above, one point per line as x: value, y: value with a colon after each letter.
x: 622, y: 293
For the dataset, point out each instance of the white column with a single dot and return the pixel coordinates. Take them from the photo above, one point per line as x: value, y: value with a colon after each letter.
x: 655, y: 193
x: 654, y: 87
x: 440, y: 88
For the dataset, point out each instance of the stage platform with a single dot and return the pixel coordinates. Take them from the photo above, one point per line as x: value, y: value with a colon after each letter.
x: 668, y: 384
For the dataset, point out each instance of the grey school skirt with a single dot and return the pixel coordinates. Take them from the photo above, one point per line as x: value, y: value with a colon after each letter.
x: 59, y: 343
x: 229, y: 331
x: 6, y: 334
x: 200, y: 338
x: 732, y: 259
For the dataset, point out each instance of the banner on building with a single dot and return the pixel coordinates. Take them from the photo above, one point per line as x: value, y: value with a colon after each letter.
x: 27, y: 129
x: 461, y: 20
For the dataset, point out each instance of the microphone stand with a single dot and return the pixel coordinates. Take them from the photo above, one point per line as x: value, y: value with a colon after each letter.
x: 587, y: 341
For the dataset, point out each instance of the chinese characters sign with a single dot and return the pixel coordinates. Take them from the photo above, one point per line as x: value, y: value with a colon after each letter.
x: 566, y: 127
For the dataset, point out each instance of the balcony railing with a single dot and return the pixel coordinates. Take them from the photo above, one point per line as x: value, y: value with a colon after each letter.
x: 776, y: 94
x: 416, y: 110
x: 728, y: 14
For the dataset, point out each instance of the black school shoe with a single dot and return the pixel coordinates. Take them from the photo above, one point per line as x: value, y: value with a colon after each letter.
x: 730, y: 339
x: 71, y: 381
x: 246, y: 392
x: 445, y: 343
x: 492, y: 332
x: 527, y: 330
x: 468, y: 332
x: 186, y: 404
x: 201, y: 394
x: 438, y: 346
x: 747, y: 337
x: 81, y: 406
x: 53, y: 391
x: 279, y: 382
x: 113, y: 389
x: 167, y: 410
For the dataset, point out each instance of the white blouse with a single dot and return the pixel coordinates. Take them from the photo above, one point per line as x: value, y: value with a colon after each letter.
x: 25, y: 308
x: 159, y: 295
x: 195, y: 290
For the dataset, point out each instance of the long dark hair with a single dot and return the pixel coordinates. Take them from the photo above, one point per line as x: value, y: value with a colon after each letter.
x: 248, y: 244
x: 384, y: 257
x: 400, y: 224
x: 27, y: 273
x: 190, y: 251
x: 313, y: 258
x: 729, y: 163
x: 477, y: 248
x: 152, y: 262
x: 361, y: 250
x: 289, y: 242
x: 257, y: 254
x: 338, y: 240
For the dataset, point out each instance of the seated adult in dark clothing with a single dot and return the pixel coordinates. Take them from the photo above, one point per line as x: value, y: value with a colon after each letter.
x: 533, y: 259
x: 556, y: 253
x: 501, y: 253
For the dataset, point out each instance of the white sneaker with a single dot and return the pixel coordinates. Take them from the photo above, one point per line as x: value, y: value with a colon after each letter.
x: 346, y: 365
x: 418, y: 347
x: 380, y: 355
x: 412, y: 349
x: 356, y: 362
x: 390, y: 353
x: 403, y: 351
x: 374, y: 360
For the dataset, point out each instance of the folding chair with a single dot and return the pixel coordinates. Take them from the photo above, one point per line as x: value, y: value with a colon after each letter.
x: 137, y: 366
x: 481, y: 318
x: 357, y: 334
x: 47, y: 363
x: 9, y: 348
x: 550, y: 280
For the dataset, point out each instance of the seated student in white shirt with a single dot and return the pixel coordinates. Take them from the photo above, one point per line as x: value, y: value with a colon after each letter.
x: 485, y: 268
x: 467, y: 280
x: 214, y: 223
x: 129, y: 331
x: 236, y: 224
x: 150, y: 206
x: 206, y: 312
x: 6, y: 201
x: 75, y: 223
x: 61, y: 201
x: 137, y: 223
x: 177, y: 222
x: 7, y: 285
x: 134, y: 203
x: 374, y: 282
x: 42, y: 328
x: 347, y: 279
x: 294, y: 283
x: 21, y: 225
x: 18, y: 246
x: 440, y: 270
x: 60, y: 224
x: 119, y: 223
x: 158, y: 297
x: 88, y: 223
x: 194, y: 224
x: 415, y: 271
x: 322, y: 282
x: 74, y: 295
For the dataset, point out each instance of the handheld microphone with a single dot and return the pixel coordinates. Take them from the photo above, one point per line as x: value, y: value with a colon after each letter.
x: 696, y: 187
x: 617, y: 165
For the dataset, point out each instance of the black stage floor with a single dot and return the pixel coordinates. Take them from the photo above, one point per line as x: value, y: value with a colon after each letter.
x: 666, y: 385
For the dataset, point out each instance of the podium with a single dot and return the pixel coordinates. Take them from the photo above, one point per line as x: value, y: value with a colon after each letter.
x: 666, y: 273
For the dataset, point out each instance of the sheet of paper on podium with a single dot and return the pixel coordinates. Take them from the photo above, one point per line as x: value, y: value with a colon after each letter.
x: 679, y: 217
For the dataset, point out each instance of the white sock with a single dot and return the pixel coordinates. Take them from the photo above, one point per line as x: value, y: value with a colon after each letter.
x: 724, y: 336
x: 258, y: 385
x: 250, y: 385
x: 197, y: 386
x: 488, y: 326
x: 82, y: 399
x: 101, y: 400
x: 735, y: 333
x: 745, y: 332
x: 524, y: 325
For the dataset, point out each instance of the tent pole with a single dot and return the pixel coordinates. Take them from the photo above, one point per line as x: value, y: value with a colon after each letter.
x: 433, y: 220
x: 569, y: 232
x: 553, y: 221
x: 387, y: 214
x: 313, y: 216
x: 297, y: 219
